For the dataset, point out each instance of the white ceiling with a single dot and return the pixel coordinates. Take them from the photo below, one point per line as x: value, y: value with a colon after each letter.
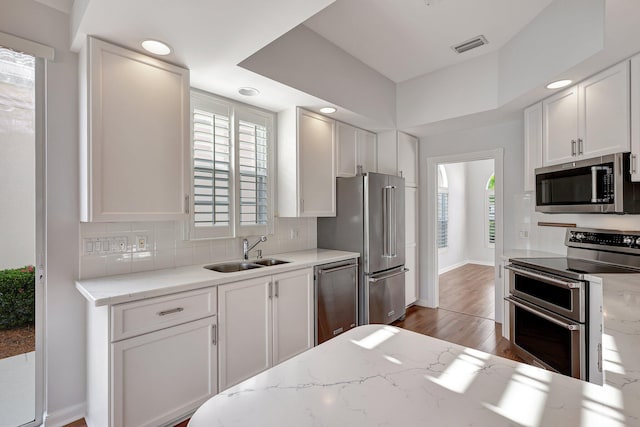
x: 405, y: 39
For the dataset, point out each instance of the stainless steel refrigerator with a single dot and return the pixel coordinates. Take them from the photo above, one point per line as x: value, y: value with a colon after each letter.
x: 370, y: 220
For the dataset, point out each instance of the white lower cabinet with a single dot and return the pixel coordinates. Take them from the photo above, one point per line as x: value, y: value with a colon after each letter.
x: 164, y: 374
x: 153, y: 361
x: 262, y: 322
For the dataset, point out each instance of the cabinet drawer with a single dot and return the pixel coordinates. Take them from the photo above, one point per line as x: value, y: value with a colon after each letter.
x: 136, y: 318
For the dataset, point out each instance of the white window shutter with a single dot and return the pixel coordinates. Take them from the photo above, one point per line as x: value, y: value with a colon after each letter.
x: 212, y: 146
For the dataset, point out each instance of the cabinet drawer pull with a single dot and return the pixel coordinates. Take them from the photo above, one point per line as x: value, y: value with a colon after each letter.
x: 173, y: 310
x: 573, y: 147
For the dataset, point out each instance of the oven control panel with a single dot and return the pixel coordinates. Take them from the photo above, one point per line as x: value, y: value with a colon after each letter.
x: 612, y: 239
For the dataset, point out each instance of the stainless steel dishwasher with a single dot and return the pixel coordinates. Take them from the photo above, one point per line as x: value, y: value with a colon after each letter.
x: 336, y: 295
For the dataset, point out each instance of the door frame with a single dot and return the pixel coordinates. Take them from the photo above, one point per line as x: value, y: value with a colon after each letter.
x: 430, y: 288
x: 42, y: 55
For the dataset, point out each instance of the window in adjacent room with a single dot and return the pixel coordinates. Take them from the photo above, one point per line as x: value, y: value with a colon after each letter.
x: 443, y: 209
x: 232, y: 146
x: 490, y: 212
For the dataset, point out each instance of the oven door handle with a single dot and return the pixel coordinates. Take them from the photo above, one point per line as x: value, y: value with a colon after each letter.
x: 548, y: 279
x: 566, y: 325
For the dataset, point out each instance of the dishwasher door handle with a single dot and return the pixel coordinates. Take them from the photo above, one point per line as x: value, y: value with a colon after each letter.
x: 342, y: 267
x: 377, y: 279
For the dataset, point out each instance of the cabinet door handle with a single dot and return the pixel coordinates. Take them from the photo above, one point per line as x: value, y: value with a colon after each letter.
x: 173, y: 310
x: 186, y: 204
x: 276, y: 285
x: 632, y: 163
x: 270, y: 290
x: 573, y: 147
x: 214, y: 334
x: 580, y: 146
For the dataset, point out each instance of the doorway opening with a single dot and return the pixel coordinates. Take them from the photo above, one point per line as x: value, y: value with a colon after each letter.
x: 461, y: 231
x: 21, y: 238
x: 466, y: 237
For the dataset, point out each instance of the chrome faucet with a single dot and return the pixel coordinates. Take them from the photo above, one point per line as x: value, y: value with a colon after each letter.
x: 246, y: 248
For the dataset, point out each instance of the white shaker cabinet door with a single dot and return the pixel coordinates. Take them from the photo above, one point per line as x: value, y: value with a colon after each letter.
x: 317, y: 170
x: 635, y: 118
x: 560, y: 136
x: 532, y: 145
x: 293, y: 315
x: 411, y: 277
x: 245, y: 325
x: 367, y: 150
x: 164, y: 374
x: 347, y: 150
x: 134, y: 136
x: 408, y: 158
x: 605, y: 113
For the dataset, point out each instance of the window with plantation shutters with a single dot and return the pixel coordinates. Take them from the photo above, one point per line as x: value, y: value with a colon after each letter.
x: 231, y: 168
x: 253, y: 173
x: 490, y: 212
x: 442, y: 231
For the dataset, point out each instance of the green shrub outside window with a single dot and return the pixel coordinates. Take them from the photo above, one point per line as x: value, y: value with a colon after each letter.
x: 17, y: 297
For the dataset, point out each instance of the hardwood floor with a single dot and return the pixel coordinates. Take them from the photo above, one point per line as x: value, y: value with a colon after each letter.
x: 470, y: 331
x: 469, y: 289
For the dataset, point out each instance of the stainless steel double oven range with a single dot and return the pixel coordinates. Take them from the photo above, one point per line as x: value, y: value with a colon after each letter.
x: 556, y: 310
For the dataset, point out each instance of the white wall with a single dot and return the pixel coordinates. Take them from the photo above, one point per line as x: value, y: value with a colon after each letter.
x: 478, y: 173
x: 306, y: 61
x: 17, y: 192
x: 167, y: 249
x: 455, y: 253
x: 65, y: 319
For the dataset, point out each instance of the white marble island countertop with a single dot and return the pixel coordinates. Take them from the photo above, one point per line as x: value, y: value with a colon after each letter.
x: 378, y: 375
x: 148, y: 284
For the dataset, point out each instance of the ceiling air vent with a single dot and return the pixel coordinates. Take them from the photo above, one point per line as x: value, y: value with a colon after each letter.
x: 470, y: 44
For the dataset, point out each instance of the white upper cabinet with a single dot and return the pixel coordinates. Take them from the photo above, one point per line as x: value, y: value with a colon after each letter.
x: 590, y: 119
x: 356, y: 148
x: 532, y: 144
x: 367, y: 144
x: 388, y: 152
x: 560, y: 127
x: 408, y: 158
x: 347, y: 148
x: 398, y: 155
x: 605, y: 112
x: 134, y: 136
x: 635, y: 118
x: 306, y: 164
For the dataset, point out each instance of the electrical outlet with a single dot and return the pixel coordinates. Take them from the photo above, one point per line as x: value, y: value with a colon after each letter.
x: 122, y: 244
x: 141, y: 241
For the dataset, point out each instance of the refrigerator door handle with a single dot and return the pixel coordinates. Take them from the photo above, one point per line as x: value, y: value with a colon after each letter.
x: 387, y: 220
x: 393, y: 246
x: 397, y: 273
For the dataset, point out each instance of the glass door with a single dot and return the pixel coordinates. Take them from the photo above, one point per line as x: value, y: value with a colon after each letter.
x: 21, y: 238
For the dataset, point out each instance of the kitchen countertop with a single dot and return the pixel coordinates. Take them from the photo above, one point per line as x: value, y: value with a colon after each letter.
x: 528, y: 253
x: 382, y: 375
x: 130, y: 287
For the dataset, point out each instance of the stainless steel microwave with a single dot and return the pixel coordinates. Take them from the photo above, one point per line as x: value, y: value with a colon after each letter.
x: 598, y: 185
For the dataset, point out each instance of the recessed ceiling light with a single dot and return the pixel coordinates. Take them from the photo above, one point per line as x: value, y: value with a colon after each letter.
x: 328, y: 110
x: 156, y: 47
x: 558, y: 84
x: 248, y: 91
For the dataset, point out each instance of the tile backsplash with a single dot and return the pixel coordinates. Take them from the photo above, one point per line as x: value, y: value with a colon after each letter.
x: 165, y: 247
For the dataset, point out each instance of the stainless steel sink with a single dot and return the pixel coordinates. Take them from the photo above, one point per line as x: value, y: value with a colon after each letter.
x: 270, y: 261
x: 232, y: 267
